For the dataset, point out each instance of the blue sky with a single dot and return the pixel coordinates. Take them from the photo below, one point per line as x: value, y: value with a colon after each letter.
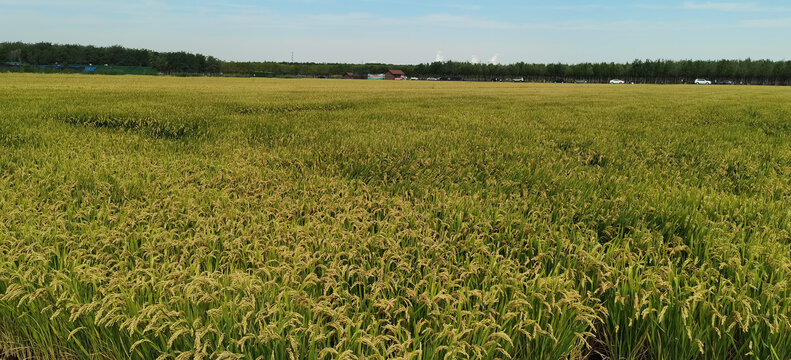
x: 414, y: 31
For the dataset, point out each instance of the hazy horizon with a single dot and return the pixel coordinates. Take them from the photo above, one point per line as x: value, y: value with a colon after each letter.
x: 371, y: 31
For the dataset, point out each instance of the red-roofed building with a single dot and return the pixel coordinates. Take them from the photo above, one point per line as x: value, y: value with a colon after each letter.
x: 395, y: 75
x: 349, y: 75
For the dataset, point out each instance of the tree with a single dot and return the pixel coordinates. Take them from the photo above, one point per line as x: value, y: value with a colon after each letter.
x: 15, y: 55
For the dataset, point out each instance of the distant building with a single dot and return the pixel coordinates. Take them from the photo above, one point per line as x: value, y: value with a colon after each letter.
x: 349, y: 75
x: 395, y: 75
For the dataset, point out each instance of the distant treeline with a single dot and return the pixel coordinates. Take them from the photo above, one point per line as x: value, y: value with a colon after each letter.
x: 643, y: 71
x: 279, y: 68
x: 48, y: 54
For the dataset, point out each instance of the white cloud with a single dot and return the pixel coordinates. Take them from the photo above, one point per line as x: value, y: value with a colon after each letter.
x: 651, y: 7
x: 767, y: 23
x: 494, y: 60
x: 581, y: 7
x: 466, y: 7
x: 720, y: 6
x: 716, y: 6
x: 458, y: 21
x: 461, y: 22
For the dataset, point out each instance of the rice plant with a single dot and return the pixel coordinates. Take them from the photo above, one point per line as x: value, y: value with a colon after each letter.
x: 212, y: 218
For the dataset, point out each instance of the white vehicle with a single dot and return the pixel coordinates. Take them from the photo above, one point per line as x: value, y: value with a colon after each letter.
x: 702, y: 82
x: 413, y: 78
x: 617, y: 81
x: 521, y: 79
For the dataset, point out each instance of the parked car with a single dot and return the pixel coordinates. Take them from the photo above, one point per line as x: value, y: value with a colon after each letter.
x: 702, y: 82
x: 521, y: 79
x: 413, y: 78
x: 497, y: 80
x: 725, y: 82
x: 431, y: 79
x: 617, y: 81
x: 457, y: 78
x: 580, y: 81
x: 560, y: 81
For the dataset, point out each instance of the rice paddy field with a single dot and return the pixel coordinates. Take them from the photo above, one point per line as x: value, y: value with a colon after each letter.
x: 217, y: 218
